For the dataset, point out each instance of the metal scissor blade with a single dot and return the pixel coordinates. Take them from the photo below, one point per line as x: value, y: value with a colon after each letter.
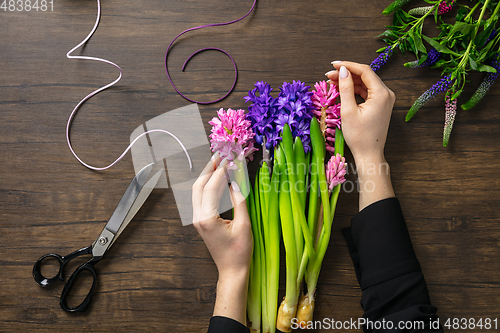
x: 128, y: 199
x: 141, y: 198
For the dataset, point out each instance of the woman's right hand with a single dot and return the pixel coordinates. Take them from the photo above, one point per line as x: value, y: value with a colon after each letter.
x: 364, y: 125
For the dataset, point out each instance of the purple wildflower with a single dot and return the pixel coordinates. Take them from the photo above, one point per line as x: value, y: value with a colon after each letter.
x: 449, y: 118
x: 382, y: 58
x: 432, y: 56
x: 439, y: 87
x: 485, y: 86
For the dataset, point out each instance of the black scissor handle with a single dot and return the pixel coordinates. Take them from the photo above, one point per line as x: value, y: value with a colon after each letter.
x: 44, y: 281
x: 88, y: 266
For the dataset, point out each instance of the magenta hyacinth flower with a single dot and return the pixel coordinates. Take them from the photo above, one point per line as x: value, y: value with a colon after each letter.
x: 327, y: 111
x: 232, y: 135
x: 335, y: 171
x: 444, y: 7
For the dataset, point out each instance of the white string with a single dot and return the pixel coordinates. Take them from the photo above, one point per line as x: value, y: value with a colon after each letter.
x: 95, y: 92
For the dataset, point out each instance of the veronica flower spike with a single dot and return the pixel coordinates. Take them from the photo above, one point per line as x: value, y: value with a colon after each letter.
x: 485, y: 86
x: 439, y: 87
x: 382, y: 58
x: 432, y: 56
x: 451, y: 112
x: 443, y: 8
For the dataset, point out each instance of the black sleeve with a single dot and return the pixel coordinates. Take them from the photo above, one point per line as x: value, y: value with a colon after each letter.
x: 393, y: 286
x: 220, y: 324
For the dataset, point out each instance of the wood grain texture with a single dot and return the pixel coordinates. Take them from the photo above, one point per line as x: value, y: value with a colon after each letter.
x: 159, y: 275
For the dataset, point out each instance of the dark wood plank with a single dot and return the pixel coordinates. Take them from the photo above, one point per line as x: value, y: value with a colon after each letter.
x: 159, y: 276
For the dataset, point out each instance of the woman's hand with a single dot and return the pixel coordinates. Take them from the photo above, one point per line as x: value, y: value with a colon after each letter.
x: 230, y: 242
x: 365, y: 126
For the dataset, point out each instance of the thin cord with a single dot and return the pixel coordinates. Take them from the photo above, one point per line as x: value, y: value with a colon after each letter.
x: 201, y: 50
x: 95, y: 92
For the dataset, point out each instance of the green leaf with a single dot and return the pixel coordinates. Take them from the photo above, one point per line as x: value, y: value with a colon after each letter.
x: 422, y: 59
x: 463, y: 27
x: 456, y: 94
x: 473, y: 64
x: 440, y: 63
x: 441, y: 48
x: 388, y: 33
x: 486, y: 68
x: 462, y: 12
x: 418, y: 43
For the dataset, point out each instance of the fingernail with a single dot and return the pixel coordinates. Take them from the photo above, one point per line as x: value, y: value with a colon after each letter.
x: 214, y: 156
x: 329, y: 82
x: 336, y: 61
x: 343, y: 72
x: 330, y: 72
x: 235, y: 186
x: 223, y: 163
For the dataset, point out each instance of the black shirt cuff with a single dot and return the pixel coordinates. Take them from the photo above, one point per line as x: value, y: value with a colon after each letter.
x: 219, y: 324
x: 379, y: 243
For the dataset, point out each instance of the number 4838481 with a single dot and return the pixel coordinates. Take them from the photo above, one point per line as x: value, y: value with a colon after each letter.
x: 27, y: 5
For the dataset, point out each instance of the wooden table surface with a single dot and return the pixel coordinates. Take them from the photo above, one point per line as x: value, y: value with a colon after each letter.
x: 159, y: 275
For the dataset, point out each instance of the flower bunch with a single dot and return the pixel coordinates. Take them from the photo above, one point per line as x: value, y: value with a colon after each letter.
x: 293, y: 196
x: 469, y: 44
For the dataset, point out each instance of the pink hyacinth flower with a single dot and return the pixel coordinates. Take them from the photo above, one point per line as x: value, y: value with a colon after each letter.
x: 327, y: 111
x: 232, y: 136
x: 336, y: 168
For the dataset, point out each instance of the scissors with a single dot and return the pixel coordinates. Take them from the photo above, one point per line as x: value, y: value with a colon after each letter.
x: 138, y: 191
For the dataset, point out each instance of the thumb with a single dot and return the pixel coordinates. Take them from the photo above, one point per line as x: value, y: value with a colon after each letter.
x: 346, y: 89
x: 239, y: 202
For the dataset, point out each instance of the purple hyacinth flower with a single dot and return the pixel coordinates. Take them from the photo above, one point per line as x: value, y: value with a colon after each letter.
x: 294, y: 105
x: 432, y: 57
x: 381, y: 59
x: 262, y: 113
x: 439, y: 87
x: 485, y: 86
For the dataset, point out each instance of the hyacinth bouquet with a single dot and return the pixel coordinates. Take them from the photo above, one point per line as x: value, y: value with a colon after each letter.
x: 471, y: 43
x: 294, y: 194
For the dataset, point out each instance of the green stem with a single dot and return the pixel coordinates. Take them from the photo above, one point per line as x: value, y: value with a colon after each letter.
x: 273, y: 249
x: 254, y: 306
x: 261, y: 194
x: 471, y: 11
x: 417, y: 24
x: 287, y: 227
x: 297, y: 208
x: 300, y: 169
x: 465, y: 57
